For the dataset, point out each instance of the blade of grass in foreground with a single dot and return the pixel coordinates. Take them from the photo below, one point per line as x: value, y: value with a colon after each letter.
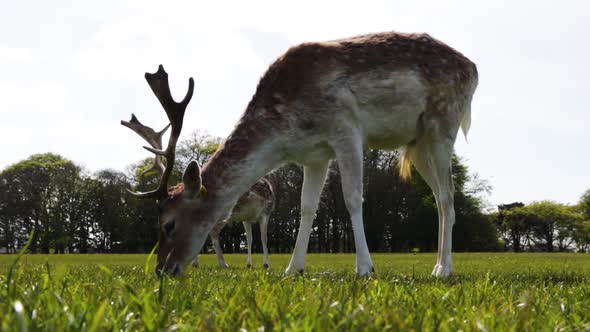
x: 18, y: 257
x: 146, y: 268
x: 98, y: 317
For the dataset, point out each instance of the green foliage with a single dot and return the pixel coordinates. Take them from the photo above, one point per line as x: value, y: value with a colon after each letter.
x: 488, y: 292
x: 69, y: 211
x: 38, y: 194
x: 582, y: 235
x: 552, y: 222
x: 513, y: 223
x: 198, y: 146
x: 72, y: 211
x: 542, y: 225
x: 585, y: 204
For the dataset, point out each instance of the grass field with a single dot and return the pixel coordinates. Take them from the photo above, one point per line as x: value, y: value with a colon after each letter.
x: 488, y: 292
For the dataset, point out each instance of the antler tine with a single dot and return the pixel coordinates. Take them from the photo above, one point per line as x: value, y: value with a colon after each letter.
x: 158, y: 81
x: 147, y: 133
x: 159, y: 84
x: 161, y: 132
x: 151, y: 136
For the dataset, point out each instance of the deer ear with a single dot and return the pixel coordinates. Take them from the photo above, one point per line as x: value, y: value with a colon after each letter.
x: 192, y: 178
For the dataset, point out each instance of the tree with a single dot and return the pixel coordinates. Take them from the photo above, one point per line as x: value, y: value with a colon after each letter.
x: 552, y: 224
x: 74, y: 211
x: 582, y: 227
x: 142, y: 231
x: 541, y: 225
x: 198, y: 146
x: 11, y: 225
x: 83, y: 215
x: 584, y: 205
x: 513, y: 225
x: 112, y: 218
x: 38, y: 188
x: 284, y: 220
x: 581, y: 235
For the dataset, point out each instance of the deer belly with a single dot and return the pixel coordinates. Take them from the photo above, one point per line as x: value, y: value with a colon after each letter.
x: 389, y: 108
x: 246, y: 211
x: 309, y: 153
x: 390, y: 131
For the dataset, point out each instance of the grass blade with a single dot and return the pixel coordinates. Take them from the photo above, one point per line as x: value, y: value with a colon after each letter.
x: 18, y: 257
x: 20, y: 316
x: 98, y: 316
x: 146, y: 268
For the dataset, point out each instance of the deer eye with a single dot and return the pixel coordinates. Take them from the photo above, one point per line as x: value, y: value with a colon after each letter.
x: 169, y: 227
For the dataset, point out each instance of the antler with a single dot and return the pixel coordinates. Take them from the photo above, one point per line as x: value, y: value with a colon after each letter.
x: 175, y: 112
x: 152, y: 137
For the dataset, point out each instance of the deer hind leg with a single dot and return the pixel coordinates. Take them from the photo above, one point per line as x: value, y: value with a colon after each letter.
x: 313, y: 182
x: 248, y: 228
x: 349, y: 154
x: 216, y: 245
x: 263, y: 239
x: 431, y: 156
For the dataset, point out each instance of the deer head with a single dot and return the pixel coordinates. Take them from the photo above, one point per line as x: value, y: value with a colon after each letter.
x: 180, y: 236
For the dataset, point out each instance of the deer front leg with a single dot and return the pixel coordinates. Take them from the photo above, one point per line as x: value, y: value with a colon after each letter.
x: 216, y: 245
x: 248, y: 228
x: 264, y: 239
x: 349, y: 153
x: 313, y: 182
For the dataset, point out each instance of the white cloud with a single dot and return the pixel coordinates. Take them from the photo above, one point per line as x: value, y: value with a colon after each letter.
x: 15, y: 54
x: 32, y: 96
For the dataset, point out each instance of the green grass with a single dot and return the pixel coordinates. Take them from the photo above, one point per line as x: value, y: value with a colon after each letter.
x: 488, y: 292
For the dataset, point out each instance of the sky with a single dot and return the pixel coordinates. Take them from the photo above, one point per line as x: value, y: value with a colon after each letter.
x: 70, y: 70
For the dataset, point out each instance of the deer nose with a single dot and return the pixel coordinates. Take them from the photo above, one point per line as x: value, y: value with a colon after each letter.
x: 171, y: 269
x: 159, y: 270
x: 176, y: 270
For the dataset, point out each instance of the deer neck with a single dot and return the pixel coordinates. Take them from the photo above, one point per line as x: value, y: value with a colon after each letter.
x: 249, y: 153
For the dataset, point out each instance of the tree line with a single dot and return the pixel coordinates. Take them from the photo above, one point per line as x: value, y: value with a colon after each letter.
x: 73, y: 210
x: 545, y: 226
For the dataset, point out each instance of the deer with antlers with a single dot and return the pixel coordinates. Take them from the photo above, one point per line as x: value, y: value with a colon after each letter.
x: 318, y: 102
x: 255, y: 206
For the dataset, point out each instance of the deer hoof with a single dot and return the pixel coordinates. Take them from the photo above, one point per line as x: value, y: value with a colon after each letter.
x: 441, y: 271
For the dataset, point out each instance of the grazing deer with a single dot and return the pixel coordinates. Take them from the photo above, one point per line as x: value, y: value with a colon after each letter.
x: 255, y: 206
x: 318, y: 102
